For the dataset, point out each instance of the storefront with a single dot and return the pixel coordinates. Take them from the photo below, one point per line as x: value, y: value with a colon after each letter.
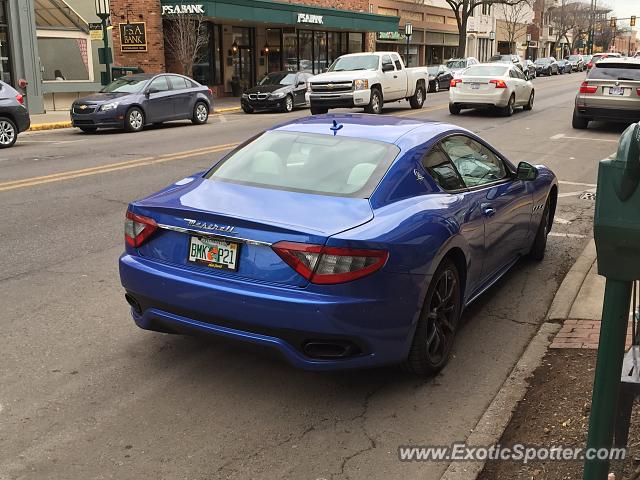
x: 249, y: 38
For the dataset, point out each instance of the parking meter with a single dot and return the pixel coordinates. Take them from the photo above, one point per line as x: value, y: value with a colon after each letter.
x: 617, y: 235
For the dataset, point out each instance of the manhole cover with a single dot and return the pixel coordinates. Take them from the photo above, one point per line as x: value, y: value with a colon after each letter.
x: 587, y: 196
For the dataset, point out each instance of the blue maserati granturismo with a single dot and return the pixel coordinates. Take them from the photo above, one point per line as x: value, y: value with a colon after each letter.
x: 341, y: 241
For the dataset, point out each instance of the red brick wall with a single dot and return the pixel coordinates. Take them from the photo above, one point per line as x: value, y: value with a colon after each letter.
x: 153, y: 60
x: 357, y: 5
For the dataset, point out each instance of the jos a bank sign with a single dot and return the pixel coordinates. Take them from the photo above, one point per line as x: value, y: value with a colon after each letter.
x: 133, y: 37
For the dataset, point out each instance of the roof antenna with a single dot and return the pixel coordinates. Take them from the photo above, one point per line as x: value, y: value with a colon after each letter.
x: 335, y: 128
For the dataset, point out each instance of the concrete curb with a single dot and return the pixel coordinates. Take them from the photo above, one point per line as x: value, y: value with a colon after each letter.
x: 498, y: 414
x: 56, y: 125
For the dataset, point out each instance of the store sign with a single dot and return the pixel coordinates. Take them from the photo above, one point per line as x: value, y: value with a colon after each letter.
x: 133, y: 37
x: 178, y: 9
x: 307, y: 18
x: 391, y: 36
x: 95, y: 31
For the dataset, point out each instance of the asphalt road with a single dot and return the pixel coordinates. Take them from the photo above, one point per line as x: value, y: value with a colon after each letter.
x: 84, y: 394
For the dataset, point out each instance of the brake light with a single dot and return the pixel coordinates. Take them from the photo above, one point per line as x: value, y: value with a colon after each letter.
x: 590, y: 65
x: 330, y: 265
x: 638, y: 91
x: 455, y: 81
x: 20, y: 98
x: 586, y: 88
x: 498, y: 83
x: 210, y: 91
x: 137, y: 229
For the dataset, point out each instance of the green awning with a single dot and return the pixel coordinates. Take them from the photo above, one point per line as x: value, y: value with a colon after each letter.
x: 276, y: 13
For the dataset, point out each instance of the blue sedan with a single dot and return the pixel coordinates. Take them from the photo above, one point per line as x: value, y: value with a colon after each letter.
x: 342, y: 241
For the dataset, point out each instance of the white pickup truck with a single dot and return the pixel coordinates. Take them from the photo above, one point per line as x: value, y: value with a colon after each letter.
x: 367, y: 80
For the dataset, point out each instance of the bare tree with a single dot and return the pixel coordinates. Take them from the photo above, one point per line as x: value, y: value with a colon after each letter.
x: 185, y: 36
x: 571, y: 17
x: 463, y: 9
x: 516, y: 19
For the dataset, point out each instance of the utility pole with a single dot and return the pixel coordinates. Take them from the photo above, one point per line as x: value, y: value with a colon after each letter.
x: 592, y: 26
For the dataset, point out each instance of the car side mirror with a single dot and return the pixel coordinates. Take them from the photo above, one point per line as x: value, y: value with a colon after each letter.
x: 526, y: 172
x: 152, y: 90
x: 387, y: 67
x: 301, y: 83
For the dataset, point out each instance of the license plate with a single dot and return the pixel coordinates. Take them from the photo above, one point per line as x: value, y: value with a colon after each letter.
x: 616, y: 91
x: 213, y: 253
x: 475, y: 86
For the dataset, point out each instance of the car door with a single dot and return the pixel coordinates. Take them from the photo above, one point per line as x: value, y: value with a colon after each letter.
x: 183, y: 95
x: 505, y: 202
x: 300, y: 89
x: 444, y: 77
x: 517, y: 80
x: 158, y: 105
x: 400, y: 78
x: 389, y: 78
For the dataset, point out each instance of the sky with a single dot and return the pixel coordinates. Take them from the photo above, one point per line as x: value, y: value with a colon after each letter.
x: 625, y: 8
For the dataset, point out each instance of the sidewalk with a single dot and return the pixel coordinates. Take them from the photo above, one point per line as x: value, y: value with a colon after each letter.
x: 60, y: 118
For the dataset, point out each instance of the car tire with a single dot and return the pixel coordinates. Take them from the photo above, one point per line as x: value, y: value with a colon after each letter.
x: 134, y: 120
x: 454, y: 109
x: 508, y: 110
x: 417, y: 100
x: 578, y: 121
x: 287, y: 106
x: 88, y: 129
x: 376, y: 102
x: 8, y: 132
x: 438, y: 322
x: 529, y: 104
x: 246, y: 109
x: 540, y: 242
x: 318, y: 110
x: 200, y: 113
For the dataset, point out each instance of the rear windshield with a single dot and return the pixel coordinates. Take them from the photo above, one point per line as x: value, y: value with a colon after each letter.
x: 486, y: 71
x: 615, y: 71
x: 310, y: 163
x: 457, y: 63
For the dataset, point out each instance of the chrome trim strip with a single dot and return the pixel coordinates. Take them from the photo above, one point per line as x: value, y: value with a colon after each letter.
x: 213, y: 235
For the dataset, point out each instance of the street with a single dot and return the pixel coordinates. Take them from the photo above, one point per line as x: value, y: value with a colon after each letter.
x: 86, y: 394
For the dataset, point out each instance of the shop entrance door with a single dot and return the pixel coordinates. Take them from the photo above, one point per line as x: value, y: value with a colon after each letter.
x: 245, y: 67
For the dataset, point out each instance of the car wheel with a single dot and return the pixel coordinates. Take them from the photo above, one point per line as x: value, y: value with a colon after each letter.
x: 246, y: 109
x: 540, y: 242
x: 318, y: 110
x: 578, y: 121
x: 288, y: 104
x: 436, y: 87
x: 508, y: 110
x: 454, y: 109
x: 529, y: 105
x: 438, y: 322
x: 200, y: 113
x: 134, y: 121
x: 8, y: 132
x: 375, y: 104
x: 417, y: 100
x: 88, y: 129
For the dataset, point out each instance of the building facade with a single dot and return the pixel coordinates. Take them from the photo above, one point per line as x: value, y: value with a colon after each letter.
x: 248, y: 38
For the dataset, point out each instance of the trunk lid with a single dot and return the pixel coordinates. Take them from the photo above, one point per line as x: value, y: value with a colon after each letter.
x: 251, y: 217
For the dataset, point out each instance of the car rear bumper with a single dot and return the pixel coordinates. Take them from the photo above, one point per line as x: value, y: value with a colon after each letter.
x: 374, y: 331
x: 498, y: 98
x: 22, y: 119
x: 609, y: 114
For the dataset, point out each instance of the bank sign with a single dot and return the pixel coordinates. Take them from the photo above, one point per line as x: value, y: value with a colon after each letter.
x: 193, y: 9
x: 133, y: 37
x: 308, y: 18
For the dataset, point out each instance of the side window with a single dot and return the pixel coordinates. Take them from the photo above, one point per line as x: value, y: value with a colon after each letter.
x: 476, y: 163
x: 386, y: 60
x: 160, y: 83
x: 512, y: 73
x: 396, y: 60
x: 179, y: 83
x: 442, y: 170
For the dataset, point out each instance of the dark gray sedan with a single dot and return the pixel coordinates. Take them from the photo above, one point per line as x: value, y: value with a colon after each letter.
x: 137, y: 100
x: 14, y: 117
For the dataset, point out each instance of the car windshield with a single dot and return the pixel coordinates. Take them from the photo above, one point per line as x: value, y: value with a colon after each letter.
x: 126, y: 85
x: 457, y: 63
x: 308, y: 162
x: 486, y: 71
x: 615, y: 71
x: 356, y: 62
x: 574, y: 58
x: 500, y: 58
x: 280, y: 78
x: 542, y: 61
x: 433, y: 70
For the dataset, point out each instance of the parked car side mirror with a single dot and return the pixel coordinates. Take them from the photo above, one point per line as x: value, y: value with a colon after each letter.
x: 301, y: 83
x: 152, y: 90
x: 526, y: 172
x: 387, y: 67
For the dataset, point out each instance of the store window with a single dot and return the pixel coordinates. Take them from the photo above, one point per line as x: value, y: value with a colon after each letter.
x: 356, y: 42
x: 6, y: 72
x: 335, y: 49
x: 290, y: 50
x: 274, y: 36
x: 305, y: 41
x: 64, y: 59
x: 319, y: 52
x: 207, y: 70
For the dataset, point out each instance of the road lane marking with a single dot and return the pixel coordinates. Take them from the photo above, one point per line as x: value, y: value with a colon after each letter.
x: 566, y: 235
x: 567, y: 182
x: 562, y: 136
x: 57, y: 177
x: 572, y: 194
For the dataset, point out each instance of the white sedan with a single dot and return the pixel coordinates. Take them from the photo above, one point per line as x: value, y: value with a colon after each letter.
x: 491, y: 85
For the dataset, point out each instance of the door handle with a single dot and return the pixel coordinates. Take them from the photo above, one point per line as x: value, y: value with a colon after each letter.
x: 489, y: 211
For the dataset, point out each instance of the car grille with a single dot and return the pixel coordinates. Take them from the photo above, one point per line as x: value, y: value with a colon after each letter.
x: 331, y: 87
x: 258, y: 96
x: 83, y: 111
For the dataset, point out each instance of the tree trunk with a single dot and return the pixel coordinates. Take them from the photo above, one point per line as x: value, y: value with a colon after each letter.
x: 462, y: 38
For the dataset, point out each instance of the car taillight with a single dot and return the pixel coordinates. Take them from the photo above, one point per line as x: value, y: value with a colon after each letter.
x: 590, y: 64
x: 498, y: 83
x: 638, y: 91
x: 330, y: 265
x: 210, y: 91
x: 455, y: 81
x: 20, y: 98
x: 586, y: 88
x: 137, y: 229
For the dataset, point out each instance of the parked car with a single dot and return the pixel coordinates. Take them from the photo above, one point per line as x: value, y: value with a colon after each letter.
x: 586, y: 59
x: 456, y: 65
x: 277, y: 91
x: 564, y: 66
x: 611, y: 92
x: 14, y: 116
x: 498, y: 85
x: 330, y: 241
x: 134, y: 101
x: 367, y: 80
x: 439, y: 77
x: 546, y: 66
x: 577, y: 63
x: 530, y: 69
x: 600, y: 56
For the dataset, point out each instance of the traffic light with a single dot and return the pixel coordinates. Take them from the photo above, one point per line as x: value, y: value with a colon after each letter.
x: 612, y: 22
x: 633, y: 21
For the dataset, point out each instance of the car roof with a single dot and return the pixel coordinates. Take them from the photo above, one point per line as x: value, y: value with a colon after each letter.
x: 388, y: 129
x: 619, y: 60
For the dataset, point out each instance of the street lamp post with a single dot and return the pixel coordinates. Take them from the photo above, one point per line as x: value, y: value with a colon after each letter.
x: 528, y: 42
x: 492, y: 37
x: 102, y: 11
x: 408, y: 31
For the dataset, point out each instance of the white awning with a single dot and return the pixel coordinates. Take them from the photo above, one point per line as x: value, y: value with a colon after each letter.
x: 57, y: 14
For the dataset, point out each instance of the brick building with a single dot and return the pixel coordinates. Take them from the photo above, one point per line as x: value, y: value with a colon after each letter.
x: 248, y: 38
